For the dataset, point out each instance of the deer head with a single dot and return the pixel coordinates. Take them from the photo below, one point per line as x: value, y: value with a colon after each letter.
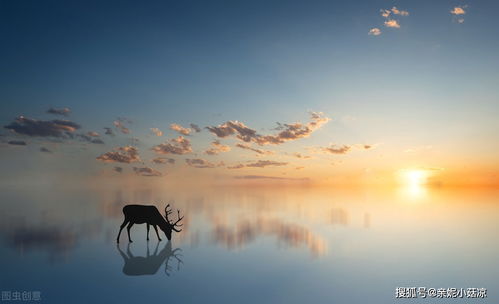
x: 172, y: 226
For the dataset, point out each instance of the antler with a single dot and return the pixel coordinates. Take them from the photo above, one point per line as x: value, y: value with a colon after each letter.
x: 176, y: 224
x: 167, y: 212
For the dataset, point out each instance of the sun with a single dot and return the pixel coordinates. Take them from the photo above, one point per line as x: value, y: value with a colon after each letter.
x: 414, y: 182
x: 416, y: 177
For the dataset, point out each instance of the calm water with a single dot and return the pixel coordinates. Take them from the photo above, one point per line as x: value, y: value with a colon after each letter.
x: 250, y: 245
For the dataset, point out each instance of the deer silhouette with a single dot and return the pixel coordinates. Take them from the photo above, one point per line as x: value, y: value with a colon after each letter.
x: 149, y: 265
x: 140, y: 214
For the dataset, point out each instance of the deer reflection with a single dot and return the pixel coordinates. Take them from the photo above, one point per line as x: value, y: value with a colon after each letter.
x: 150, y: 264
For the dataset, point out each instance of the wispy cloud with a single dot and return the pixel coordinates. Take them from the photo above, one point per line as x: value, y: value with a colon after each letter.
x: 259, y: 151
x: 396, y: 11
x: 17, y: 142
x: 163, y: 160
x: 201, y: 163
x: 392, y: 23
x: 118, y: 169
x: 178, y: 128
x: 385, y: 13
x: 259, y: 164
x: 299, y: 155
x: 195, y: 127
x: 156, y: 131
x: 127, y: 154
x: 216, y: 148
x: 271, y: 177
x: 334, y: 149
x: 287, y: 132
x: 238, y: 166
x: 366, y: 146
x: 146, y: 171
x: 88, y: 138
x: 458, y: 10
x: 119, y: 124
x: 43, y: 149
x: 179, y: 145
x: 375, y: 31
x: 93, y: 134
x: 62, y: 111
x: 344, y: 149
x: 43, y: 128
x: 109, y: 131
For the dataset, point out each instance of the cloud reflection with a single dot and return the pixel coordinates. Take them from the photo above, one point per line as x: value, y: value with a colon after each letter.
x: 247, y: 231
x: 55, y: 240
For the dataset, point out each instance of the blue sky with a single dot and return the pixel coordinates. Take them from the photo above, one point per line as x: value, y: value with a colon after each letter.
x: 430, y: 81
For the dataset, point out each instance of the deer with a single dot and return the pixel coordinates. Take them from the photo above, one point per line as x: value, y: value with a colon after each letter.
x: 140, y: 214
x: 149, y: 265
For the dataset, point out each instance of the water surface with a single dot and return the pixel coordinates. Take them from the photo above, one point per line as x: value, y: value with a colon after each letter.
x: 250, y: 244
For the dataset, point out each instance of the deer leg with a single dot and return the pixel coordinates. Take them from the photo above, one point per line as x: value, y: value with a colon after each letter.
x: 156, y: 229
x: 121, y: 228
x: 148, y: 232
x: 128, y: 230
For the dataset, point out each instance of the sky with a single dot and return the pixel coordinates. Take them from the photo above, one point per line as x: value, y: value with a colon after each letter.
x: 333, y: 92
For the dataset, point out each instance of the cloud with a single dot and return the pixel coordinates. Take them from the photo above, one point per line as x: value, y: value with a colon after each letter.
x: 217, y: 147
x: 109, y: 131
x: 97, y: 141
x: 298, y: 155
x: 201, y: 163
x: 120, y: 126
x: 146, y: 171
x: 163, y: 160
x: 63, y: 111
x: 366, y: 146
x: 294, y: 131
x: 458, y: 10
x: 259, y: 151
x: 89, y: 139
x: 179, y: 146
x: 43, y: 149
x: 270, y: 177
x: 93, y: 134
x: 239, y: 166
x: 460, y: 20
x: 127, y: 154
x: 333, y: 149
x: 43, y: 128
x: 195, y: 127
x: 265, y: 163
x: 385, y: 13
x: 259, y: 164
x: 17, y: 142
x: 178, y: 128
x: 287, y: 132
x: 375, y: 31
x: 118, y: 169
x: 344, y: 149
x: 232, y: 127
x: 399, y: 12
x: 392, y: 23
x: 156, y: 131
